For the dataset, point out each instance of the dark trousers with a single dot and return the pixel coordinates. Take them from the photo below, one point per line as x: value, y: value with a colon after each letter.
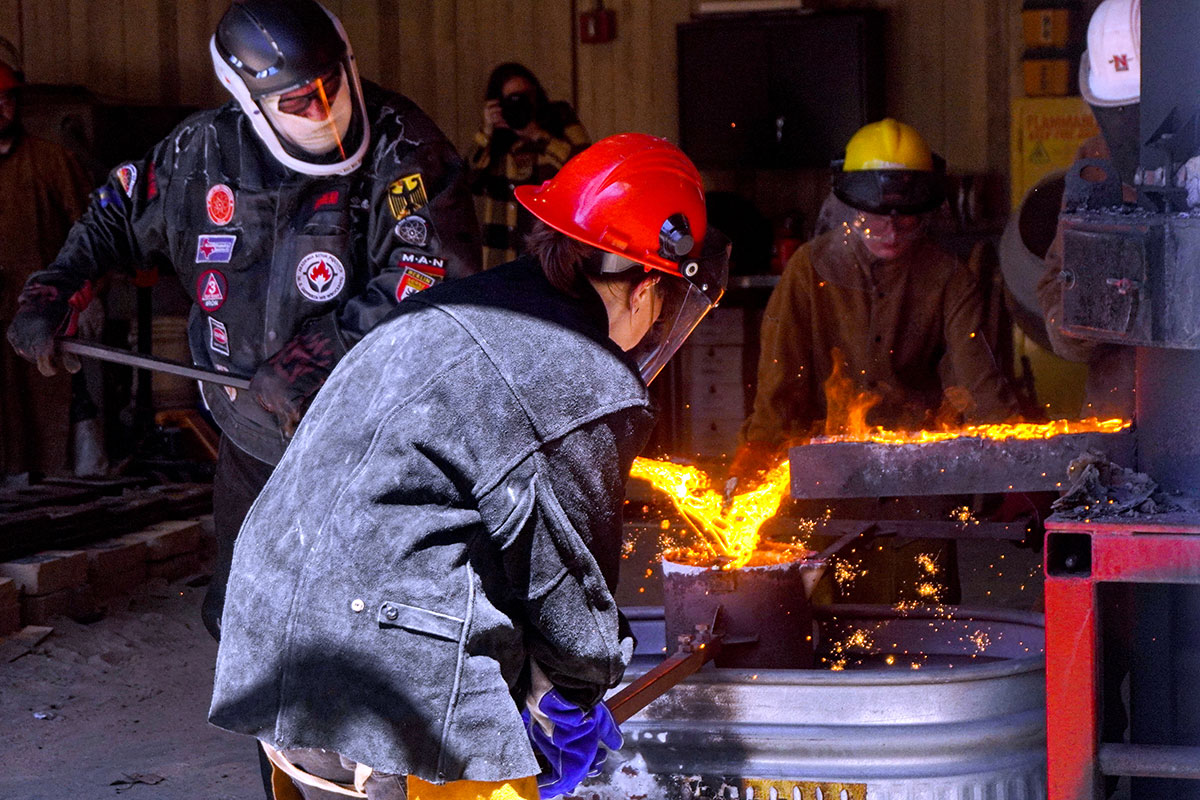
x: 238, y: 480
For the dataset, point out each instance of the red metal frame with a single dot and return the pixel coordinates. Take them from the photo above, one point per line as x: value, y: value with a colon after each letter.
x: 1162, y: 551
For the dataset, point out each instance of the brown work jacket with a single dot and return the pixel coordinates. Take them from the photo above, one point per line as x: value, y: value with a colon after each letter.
x: 907, y: 330
x: 42, y: 191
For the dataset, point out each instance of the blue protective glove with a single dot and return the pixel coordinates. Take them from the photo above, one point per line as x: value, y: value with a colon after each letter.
x: 577, y: 744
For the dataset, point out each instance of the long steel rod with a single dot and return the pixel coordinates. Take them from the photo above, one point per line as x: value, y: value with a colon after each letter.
x: 1150, y: 761
x: 655, y: 683
x: 116, y: 355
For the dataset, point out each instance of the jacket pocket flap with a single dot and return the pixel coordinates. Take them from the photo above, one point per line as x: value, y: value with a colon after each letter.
x: 420, y: 620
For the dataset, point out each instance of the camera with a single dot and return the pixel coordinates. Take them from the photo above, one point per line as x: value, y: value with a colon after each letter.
x: 517, y: 110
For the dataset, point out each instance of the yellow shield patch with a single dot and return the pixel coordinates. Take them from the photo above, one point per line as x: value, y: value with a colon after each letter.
x: 406, y: 195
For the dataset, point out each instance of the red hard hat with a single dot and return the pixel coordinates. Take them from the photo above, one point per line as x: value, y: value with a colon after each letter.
x: 631, y: 194
x: 8, y: 78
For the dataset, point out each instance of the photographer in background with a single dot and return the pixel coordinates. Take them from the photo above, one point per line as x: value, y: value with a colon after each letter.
x: 525, y: 139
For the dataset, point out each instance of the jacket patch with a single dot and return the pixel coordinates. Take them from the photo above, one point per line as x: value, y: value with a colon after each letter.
x: 127, y: 175
x: 415, y: 280
x: 151, y: 182
x: 327, y: 199
x: 320, y: 276
x: 413, y: 230
x: 108, y: 197
x: 406, y: 195
x: 407, y: 258
x: 220, y: 204
x: 229, y: 390
x: 211, y: 290
x: 218, y: 336
x: 214, y: 248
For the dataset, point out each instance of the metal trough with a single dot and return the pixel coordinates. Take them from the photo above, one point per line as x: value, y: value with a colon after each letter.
x: 960, y: 727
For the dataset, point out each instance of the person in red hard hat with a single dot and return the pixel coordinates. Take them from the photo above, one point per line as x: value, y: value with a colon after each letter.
x: 421, y: 599
x: 46, y: 191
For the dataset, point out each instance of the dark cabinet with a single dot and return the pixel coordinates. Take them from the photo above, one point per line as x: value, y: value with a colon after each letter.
x: 778, y: 91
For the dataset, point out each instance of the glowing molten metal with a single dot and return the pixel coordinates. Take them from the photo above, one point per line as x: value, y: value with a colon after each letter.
x: 728, y: 535
x: 1008, y: 430
x: 847, y: 406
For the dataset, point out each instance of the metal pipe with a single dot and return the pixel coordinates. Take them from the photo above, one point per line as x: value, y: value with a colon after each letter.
x: 143, y: 362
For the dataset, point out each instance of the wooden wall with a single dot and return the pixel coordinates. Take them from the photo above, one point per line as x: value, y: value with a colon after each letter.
x: 949, y: 61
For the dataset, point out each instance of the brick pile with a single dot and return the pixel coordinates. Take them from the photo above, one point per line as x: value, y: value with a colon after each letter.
x: 75, y: 583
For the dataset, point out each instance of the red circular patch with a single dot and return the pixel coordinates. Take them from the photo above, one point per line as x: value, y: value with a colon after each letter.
x: 211, y: 290
x: 220, y: 204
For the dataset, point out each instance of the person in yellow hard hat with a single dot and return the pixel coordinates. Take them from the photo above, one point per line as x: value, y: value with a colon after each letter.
x: 874, y: 303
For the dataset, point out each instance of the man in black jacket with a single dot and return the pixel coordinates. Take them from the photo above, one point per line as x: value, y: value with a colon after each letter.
x: 297, y: 216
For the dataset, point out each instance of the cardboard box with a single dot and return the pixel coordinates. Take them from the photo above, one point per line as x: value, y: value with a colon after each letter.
x: 1046, y: 27
x: 48, y: 572
x: 1046, y: 77
x: 1046, y: 134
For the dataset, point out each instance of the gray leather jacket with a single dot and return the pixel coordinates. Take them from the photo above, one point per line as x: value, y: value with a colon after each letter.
x: 449, y: 508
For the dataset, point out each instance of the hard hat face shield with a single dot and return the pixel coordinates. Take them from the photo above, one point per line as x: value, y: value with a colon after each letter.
x: 892, y: 191
x: 316, y: 121
x: 685, y: 302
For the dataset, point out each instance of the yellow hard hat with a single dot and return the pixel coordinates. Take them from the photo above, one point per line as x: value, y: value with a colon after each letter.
x: 889, y: 169
x: 887, y: 144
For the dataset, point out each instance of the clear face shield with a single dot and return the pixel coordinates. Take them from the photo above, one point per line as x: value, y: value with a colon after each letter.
x: 316, y: 121
x: 685, y: 301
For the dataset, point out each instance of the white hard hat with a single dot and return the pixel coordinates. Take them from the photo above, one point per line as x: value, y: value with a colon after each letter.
x: 1110, y: 72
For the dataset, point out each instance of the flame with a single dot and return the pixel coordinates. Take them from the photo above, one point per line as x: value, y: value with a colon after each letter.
x: 847, y: 407
x: 320, y: 272
x: 729, y: 532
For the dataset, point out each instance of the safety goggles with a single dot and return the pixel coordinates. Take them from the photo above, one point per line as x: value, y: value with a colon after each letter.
x: 325, y: 88
x: 890, y: 228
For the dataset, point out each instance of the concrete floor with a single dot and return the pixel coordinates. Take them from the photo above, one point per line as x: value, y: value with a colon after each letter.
x: 96, y: 707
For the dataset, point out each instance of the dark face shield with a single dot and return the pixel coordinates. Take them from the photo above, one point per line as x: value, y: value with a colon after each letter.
x: 892, y: 191
x: 685, y: 301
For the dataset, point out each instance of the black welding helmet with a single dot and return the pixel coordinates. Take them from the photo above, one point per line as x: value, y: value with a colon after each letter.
x: 290, y: 66
x: 889, y: 169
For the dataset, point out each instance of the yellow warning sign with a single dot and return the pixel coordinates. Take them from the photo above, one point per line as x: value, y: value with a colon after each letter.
x: 1046, y: 134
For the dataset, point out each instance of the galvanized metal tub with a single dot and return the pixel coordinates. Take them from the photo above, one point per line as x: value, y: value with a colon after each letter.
x: 974, y: 731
